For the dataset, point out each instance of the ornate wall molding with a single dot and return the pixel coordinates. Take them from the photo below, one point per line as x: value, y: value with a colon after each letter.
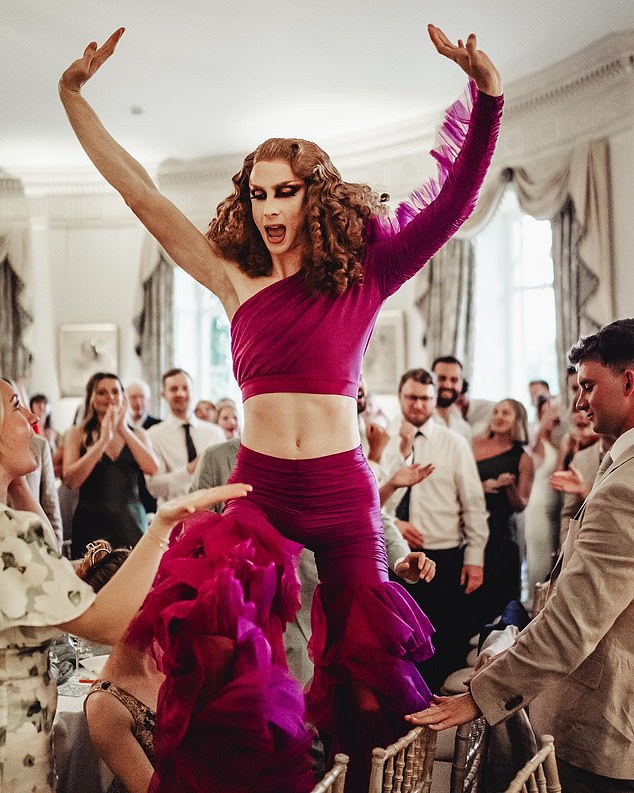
x: 588, y: 95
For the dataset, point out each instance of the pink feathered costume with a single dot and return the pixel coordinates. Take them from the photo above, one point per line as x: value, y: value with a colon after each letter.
x: 230, y: 719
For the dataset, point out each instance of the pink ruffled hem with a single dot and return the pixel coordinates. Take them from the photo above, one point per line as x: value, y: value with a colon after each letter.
x: 373, y: 638
x: 447, y: 145
x: 229, y: 718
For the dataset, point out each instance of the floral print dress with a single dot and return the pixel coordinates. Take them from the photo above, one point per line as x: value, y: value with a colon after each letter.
x: 38, y: 589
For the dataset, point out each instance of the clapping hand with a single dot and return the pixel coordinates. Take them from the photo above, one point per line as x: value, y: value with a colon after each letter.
x: 474, y: 62
x: 410, y: 475
x: 570, y: 481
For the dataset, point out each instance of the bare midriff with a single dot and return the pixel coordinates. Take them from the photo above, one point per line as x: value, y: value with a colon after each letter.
x: 300, y: 426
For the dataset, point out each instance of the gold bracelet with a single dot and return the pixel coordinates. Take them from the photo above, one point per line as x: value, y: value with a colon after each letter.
x: 162, y: 544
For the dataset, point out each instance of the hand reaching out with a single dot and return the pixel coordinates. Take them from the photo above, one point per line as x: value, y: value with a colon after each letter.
x: 475, y: 63
x: 446, y: 712
x: 177, y: 509
x: 81, y: 70
x: 416, y: 567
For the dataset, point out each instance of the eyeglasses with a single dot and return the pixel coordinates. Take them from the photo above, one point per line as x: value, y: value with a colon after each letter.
x: 413, y: 399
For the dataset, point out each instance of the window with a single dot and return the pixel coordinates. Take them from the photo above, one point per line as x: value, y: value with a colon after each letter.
x: 202, y: 342
x: 514, y: 299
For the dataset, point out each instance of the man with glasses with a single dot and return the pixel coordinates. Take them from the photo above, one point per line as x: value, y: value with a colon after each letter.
x: 444, y: 515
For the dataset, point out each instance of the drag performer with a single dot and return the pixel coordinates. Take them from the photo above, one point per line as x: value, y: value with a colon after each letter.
x: 302, y: 263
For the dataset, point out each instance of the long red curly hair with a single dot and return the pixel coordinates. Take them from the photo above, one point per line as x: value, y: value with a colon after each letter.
x: 337, y: 214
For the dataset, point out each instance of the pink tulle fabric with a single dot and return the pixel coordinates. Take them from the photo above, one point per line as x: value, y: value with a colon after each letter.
x: 229, y: 717
x: 447, y: 144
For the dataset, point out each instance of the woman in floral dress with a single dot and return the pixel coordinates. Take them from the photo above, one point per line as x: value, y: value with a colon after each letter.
x: 40, y: 594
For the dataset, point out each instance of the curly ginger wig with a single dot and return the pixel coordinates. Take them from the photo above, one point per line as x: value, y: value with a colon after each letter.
x: 337, y: 214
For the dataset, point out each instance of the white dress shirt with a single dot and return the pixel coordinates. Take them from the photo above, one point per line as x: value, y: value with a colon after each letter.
x: 454, y: 422
x: 168, y: 441
x: 448, y: 506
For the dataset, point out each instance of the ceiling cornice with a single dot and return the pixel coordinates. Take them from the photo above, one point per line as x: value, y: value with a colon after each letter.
x: 588, y: 95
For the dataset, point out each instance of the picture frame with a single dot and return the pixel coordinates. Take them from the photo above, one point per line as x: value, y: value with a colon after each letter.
x: 84, y: 350
x: 385, y: 357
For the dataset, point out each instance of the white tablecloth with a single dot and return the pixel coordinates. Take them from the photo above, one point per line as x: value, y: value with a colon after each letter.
x: 78, y: 766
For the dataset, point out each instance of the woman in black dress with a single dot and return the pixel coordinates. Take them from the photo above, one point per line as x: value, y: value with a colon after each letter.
x: 103, y: 457
x: 506, y: 471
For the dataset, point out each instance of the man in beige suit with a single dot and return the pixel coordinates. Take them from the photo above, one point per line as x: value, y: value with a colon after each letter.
x: 574, y: 663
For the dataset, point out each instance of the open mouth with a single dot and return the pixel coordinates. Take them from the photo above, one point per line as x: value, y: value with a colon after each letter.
x: 275, y: 234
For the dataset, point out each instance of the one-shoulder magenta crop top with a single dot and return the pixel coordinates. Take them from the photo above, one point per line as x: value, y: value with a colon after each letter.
x: 287, y: 339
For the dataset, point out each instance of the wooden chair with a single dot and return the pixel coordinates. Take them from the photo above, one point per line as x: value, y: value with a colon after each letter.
x: 334, y: 781
x: 469, y: 760
x: 404, y: 766
x: 540, y: 774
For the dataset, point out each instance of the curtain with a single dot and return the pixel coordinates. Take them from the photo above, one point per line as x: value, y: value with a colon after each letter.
x: 16, y: 303
x: 445, y: 300
x: 15, y: 357
x: 154, y: 323
x: 572, y: 190
x: 574, y: 285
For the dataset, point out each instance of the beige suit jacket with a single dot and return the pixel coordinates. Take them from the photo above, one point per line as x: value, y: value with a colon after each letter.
x: 574, y: 663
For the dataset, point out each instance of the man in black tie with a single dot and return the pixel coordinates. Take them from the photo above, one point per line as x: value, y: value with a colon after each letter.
x: 574, y: 663
x: 444, y: 515
x: 179, y: 440
x: 138, y: 394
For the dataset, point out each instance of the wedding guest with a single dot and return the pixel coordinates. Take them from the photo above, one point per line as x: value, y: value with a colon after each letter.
x: 103, y: 457
x: 40, y: 594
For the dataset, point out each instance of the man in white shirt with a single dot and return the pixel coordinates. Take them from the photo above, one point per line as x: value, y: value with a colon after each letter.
x: 179, y: 440
x: 447, y: 371
x: 444, y: 515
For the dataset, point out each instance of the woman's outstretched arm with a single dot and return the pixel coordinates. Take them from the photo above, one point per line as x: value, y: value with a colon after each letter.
x: 180, y: 238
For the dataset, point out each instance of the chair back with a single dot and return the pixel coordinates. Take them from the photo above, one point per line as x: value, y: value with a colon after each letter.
x: 404, y: 766
x: 334, y: 781
x: 540, y: 774
x: 469, y: 760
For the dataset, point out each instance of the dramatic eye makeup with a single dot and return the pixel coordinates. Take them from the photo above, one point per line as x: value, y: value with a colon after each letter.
x: 281, y: 191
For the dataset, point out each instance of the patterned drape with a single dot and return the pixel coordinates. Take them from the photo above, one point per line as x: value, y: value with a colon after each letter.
x: 574, y: 284
x: 154, y: 326
x: 15, y: 358
x: 445, y: 299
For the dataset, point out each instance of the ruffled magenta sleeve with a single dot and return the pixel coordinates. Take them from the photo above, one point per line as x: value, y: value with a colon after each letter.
x: 398, y: 246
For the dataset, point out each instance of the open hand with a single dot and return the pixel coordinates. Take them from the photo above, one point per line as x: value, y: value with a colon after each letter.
x: 570, y: 481
x: 446, y: 712
x: 475, y: 63
x: 409, y: 475
x: 81, y: 70
x: 416, y: 567
x: 177, y: 509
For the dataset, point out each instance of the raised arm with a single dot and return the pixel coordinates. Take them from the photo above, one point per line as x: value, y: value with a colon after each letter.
x: 464, y: 148
x: 180, y: 238
x: 108, y: 617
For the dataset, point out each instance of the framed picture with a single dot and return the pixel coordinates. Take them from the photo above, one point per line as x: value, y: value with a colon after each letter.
x: 82, y: 351
x: 384, y: 360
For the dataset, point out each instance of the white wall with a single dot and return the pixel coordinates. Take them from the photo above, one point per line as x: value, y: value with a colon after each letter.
x: 85, y: 271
